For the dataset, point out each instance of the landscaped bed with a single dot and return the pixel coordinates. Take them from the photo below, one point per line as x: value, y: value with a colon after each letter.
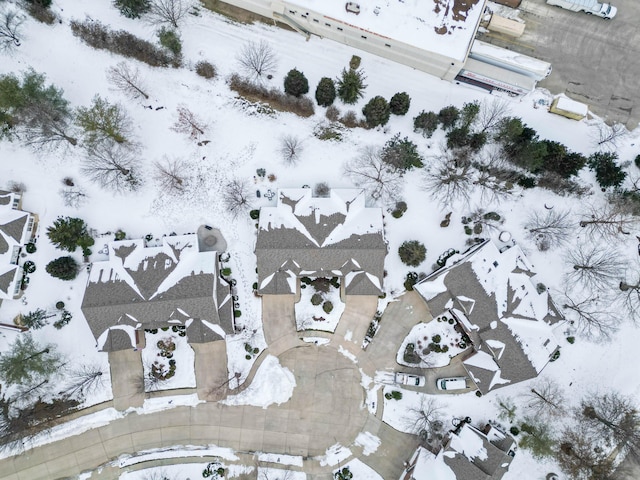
x: 320, y: 307
x: 168, y: 360
x: 433, y: 344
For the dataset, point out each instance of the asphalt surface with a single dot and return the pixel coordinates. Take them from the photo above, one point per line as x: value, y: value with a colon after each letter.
x: 595, y: 61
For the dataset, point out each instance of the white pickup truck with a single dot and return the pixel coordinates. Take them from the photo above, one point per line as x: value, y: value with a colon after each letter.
x: 590, y: 7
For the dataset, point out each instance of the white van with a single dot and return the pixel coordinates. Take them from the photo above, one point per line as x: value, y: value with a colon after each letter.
x: 590, y: 7
x: 451, y: 383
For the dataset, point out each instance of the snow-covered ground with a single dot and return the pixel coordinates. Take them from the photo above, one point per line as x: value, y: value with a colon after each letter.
x: 242, y: 141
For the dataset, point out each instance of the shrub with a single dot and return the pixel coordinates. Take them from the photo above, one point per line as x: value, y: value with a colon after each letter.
x: 349, y: 119
x: 401, y: 153
x: 526, y: 182
x: 64, y: 268
x: 226, y: 272
x: 30, y: 247
x: 170, y: 40
x: 205, y: 69
x: 332, y: 113
x: 39, y: 9
x: 120, y: 235
x: 354, y: 63
x: 448, y: 117
x: 514, y: 430
x: 608, y: 173
x: 426, y: 123
x: 412, y: 253
x: 436, y: 338
x: 29, y: 266
x: 327, y: 307
x: 254, y: 214
x: 396, y: 395
x: 132, y: 8
x: 377, y: 111
x: 65, y: 318
x: 410, y: 280
x: 295, y: 83
x: 60, y: 305
x: 99, y: 36
x: 237, y: 313
x: 351, y: 85
x: 637, y: 161
x: 399, y: 209
x: 321, y: 189
x: 316, y: 299
x: 301, y: 106
x: 571, y: 340
x: 400, y: 103
x: 325, y: 92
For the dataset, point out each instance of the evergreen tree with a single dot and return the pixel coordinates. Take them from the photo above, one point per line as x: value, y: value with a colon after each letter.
x: 35, y: 320
x: 412, y: 253
x: 608, y: 173
x: 560, y: 160
x: 64, y: 268
x: 132, y: 8
x: 170, y: 40
x: 426, y: 123
x: 103, y: 120
x: 27, y: 361
x: 351, y: 85
x: 448, y: 117
x: 400, y: 103
x: 68, y: 233
x: 469, y: 113
x: 377, y: 111
x: 295, y: 83
x: 401, y: 153
x: 325, y: 92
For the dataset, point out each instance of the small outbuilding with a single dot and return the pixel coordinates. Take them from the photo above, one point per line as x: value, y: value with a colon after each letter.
x: 563, y: 105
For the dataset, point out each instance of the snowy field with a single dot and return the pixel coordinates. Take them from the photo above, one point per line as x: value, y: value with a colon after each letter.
x: 242, y: 141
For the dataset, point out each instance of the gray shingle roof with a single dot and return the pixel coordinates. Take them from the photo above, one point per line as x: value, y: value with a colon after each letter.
x: 510, y: 325
x: 146, y: 288
x: 305, y: 235
x: 6, y: 281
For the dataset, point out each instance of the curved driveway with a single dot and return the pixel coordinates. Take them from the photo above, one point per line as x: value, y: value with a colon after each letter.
x: 327, y: 407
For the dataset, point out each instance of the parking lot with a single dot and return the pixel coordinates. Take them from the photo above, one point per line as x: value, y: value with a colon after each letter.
x: 595, y: 61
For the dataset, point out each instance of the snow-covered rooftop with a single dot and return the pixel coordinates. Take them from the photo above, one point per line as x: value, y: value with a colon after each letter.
x: 445, y: 27
x: 15, y: 227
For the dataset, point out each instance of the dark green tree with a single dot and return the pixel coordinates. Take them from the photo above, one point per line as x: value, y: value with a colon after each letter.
x: 400, y: 103
x: 412, y: 253
x: 103, y: 120
x: 68, y: 233
x: 325, y: 92
x: 295, y: 83
x: 608, y: 172
x: 401, y: 153
x: 377, y: 111
x: 560, y: 160
x: 35, y: 319
x: 448, y: 117
x: 426, y: 123
x: 351, y: 85
x: 469, y: 113
x: 27, y: 361
x: 64, y: 268
x: 132, y: 8
x: 170, y: 40
x: 537, y: 438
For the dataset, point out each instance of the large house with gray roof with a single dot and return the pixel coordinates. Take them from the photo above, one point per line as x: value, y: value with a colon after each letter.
x: 147, y: 287
x: 468, y: 453
x: 17, y: 228
x: 312, y: 236
x: 510, y: 318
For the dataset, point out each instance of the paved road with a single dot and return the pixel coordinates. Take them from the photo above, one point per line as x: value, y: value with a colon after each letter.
x: 327, y: 407
x: 595, y: 61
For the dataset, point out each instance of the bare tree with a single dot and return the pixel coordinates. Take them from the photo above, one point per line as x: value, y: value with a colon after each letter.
x: 609, y: 136
x: 113, y: 166
x: 594, y: 267
x: 492, y: 189
x: 616, y: 416
x: 369, y: 172
x: 629, y: 293
x: 73, y: 196
x: 581, y: 455
x: 257, y: 60
x: 46, y: 125
x: 10, y: 23
x: 546, y: 398
x: 170, y: 12
x: 188, y: 123
x: 290, y: 149
x: 490, y: 114
x: 426, y: 421
x: 321, y: 189
x: 84, y: 380
x: 237, y: 197
x: 172, y: 176
x: 449, y: 179
x: 549, y: 228
x: 128, y: 80
x: 592, y: 315
x: 265, y: 473
x: 607, y: 221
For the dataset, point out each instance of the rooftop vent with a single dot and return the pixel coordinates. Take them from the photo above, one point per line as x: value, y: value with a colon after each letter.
x: 353, y: 7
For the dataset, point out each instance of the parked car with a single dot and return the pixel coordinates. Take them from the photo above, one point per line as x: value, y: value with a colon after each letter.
x: 410, y: 379
x: 451, y: 383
